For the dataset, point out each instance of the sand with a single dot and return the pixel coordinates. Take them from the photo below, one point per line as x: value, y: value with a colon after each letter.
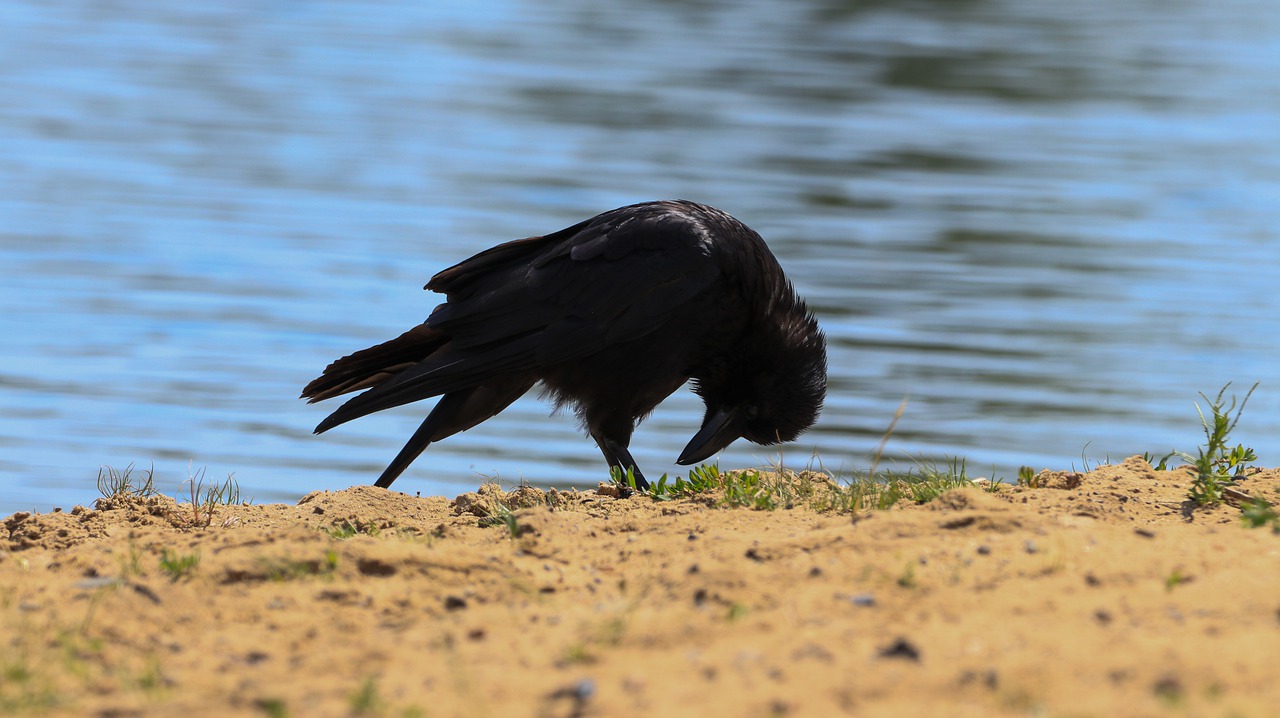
x: 1100, y: 594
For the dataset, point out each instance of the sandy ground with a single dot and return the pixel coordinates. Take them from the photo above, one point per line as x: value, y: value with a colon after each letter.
x: 1104, y: 595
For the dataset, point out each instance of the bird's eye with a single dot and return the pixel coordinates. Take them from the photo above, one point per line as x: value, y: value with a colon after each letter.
x: 752, y: 411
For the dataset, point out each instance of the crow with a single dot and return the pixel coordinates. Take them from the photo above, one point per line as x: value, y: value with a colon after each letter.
x: 611, y: 315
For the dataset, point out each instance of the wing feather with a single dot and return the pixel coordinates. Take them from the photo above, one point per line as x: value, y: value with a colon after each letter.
x: 534, y: 303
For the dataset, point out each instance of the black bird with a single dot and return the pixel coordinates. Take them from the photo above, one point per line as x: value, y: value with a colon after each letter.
x: 612, y: 315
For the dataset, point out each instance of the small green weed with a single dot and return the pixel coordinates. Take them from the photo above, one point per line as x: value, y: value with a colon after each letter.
x: 1161, y: 464
x: 925, y: 482
x: 346, y: 528
x: 578, y: 654
x: 1175, y: 578
x: 291, y: 569
x: 1216, y: 463
x: 365, y: 701
x: 504, y: 516
x: 22, y: 689
x: 114, y: 482
x: 907, y: 579
x: 736, y: 612
x: 206, y: 498
x: 131, y: 562
x: 340, y: 531
x: 626, y: 479
x: 1259, y: 513
x: 704, y: 477
x: 750, y: 490
x: 178, y: 566
x: 608, y: 633
x: 273, y: 707
x: 511, y: 522
x: 150, y: 678
x: 932, y: 480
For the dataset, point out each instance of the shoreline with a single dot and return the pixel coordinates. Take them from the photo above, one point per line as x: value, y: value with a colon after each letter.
x: 1099, y: 593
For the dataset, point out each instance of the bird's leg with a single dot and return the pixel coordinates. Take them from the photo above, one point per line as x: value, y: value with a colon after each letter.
x: 617, y: 455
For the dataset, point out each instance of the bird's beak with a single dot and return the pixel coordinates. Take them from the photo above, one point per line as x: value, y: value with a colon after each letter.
x: 718, y: 431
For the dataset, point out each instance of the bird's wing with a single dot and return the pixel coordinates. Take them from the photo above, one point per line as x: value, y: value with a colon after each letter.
x: 537, y: 302
x: 605, y: 282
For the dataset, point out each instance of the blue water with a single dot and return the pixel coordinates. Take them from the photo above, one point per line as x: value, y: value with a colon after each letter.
x: 1050, y: 225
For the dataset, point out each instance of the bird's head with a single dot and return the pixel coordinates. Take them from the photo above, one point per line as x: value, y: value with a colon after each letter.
x: 769, y: 394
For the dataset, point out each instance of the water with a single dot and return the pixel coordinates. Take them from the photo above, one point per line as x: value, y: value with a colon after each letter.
x: 1049, y: 224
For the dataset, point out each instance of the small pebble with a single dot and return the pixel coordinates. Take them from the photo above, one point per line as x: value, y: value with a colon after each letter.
x: 901, y: 648
x: 92, y: 583
x: 584, y: 689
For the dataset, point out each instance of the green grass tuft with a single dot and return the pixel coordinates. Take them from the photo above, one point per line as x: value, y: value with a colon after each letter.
x: 347, y: 528
x: 114, y: 482
x: 205, y: 498
x: 1258, y: 513
x: 365, y: 701
x: 178, y: 566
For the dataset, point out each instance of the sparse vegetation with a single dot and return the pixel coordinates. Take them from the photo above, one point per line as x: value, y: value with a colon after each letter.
x: 496, y: 507
x: 207, y: 498
x: 22, y: 690
x: 778, y: 487
x: 504, y: 516
x: 907, y: 579
x: 766, y: 490
x: 178, y: 566
x: 273, y: 707
x: 1161, y: 464
x: 343, y: 530
x: 365, y: 700
x: 599, y: 581
x: 1258, y: 513
x: 749, y: 489
x: 704, y: 477
x: 1217, y: 464
x: 290, y: 569
x: 1175, y: 578
x: 137, y: 489
x: 578, y: 654
x: 114, y: 482
x: 346, y: 528
x: 131, y: 562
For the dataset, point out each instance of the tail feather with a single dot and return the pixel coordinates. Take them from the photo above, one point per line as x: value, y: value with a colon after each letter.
x: 444, y: 372
x: 375, y: 365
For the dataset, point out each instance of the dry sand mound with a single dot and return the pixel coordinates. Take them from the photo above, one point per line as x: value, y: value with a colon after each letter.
x: 1096, y: 594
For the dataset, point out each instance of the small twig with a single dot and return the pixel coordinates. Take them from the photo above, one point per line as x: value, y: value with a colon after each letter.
x: 1235, y: 497
x: 875, y: 460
